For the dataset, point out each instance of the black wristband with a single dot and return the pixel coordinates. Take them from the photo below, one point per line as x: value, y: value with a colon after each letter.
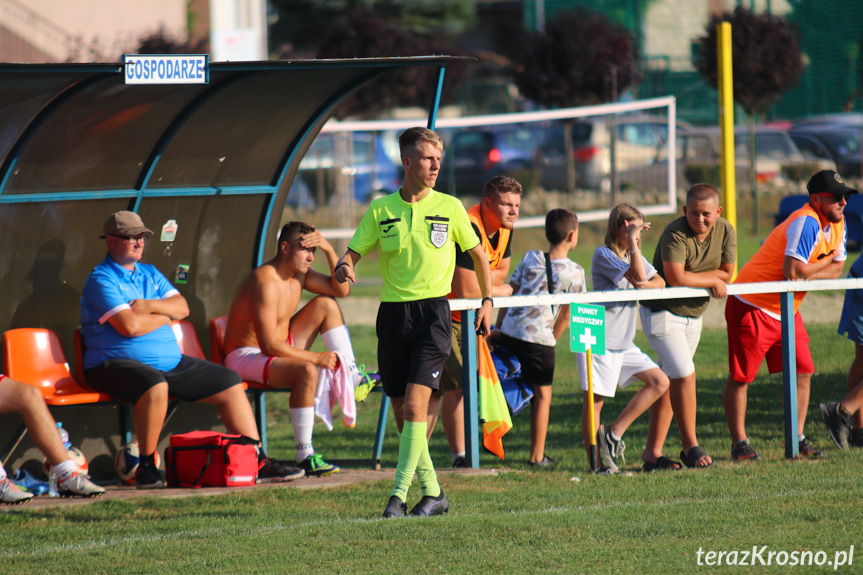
x: 340, y: 265
x: 487, y: 299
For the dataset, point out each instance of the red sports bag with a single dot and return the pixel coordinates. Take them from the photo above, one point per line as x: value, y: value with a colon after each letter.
x: 210, y: 459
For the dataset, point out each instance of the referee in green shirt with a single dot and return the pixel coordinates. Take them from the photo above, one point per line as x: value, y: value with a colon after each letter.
x: 416, y: 231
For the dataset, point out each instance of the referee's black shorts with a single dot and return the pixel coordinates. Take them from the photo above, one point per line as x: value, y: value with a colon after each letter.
x: 414, y: 341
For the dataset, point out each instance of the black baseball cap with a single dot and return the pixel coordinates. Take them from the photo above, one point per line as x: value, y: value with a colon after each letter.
x: 828, y: 181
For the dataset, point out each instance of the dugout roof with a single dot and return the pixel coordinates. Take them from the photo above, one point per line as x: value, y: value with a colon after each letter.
x: 77, y: 144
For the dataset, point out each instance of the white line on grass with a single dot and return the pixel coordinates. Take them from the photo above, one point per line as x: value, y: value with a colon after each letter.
x: 222, y: 532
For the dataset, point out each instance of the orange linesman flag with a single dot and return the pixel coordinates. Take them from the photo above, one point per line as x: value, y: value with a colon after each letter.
x: 493, y: 410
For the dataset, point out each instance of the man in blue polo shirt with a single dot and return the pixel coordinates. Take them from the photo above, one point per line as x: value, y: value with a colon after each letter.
x: 127, y: 310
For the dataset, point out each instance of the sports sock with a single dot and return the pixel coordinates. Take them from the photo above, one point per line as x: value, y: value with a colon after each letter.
x: 303, y: 419
x: 63, y: 470
x: 2, y: 472
x: 614, y: 436
x: 426, y: 473
x: 411, y: 443
x: 339, y: 339
x: 457, y: 455
x: 800, y: 437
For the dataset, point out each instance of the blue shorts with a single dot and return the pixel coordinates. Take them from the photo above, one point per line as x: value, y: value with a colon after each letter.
x: 851, y: 321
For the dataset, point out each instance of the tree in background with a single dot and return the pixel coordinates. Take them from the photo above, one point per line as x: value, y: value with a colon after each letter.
x: 766, y: 63
x: 161, y: 42
x: 831, y: 37
x: 365, y: 33
x: 296, y: 25
x: 582, y: 58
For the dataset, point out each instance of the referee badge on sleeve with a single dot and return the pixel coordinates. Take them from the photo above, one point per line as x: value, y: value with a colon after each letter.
x: 439, y: 234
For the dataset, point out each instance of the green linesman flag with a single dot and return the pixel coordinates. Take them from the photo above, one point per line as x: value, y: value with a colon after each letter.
x: 587, y: 328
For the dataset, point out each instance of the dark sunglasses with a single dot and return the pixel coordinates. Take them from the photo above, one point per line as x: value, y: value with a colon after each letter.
x: 836, y: 197
x: 143, y: 238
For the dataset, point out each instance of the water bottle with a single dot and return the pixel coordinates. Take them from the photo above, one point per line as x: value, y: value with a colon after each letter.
x: 52, y: 484
x: 52, y: 477
x: 64, y: 435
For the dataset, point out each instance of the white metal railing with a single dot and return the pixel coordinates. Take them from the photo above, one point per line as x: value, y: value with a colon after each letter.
x: 786, y: 289
x: 664, y: 293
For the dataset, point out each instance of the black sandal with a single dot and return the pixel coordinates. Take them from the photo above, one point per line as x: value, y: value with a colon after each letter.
x: 662, y: 464
x: 690, y: 459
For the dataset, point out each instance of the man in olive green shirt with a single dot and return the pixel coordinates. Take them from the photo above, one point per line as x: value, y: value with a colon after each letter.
x: 697, y: 250
x: 416, y: 231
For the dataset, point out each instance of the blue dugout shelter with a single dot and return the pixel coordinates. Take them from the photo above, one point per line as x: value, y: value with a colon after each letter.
x: 77, y: 144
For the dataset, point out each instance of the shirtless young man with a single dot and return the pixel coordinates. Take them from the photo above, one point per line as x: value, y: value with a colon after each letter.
x: 267, y: 340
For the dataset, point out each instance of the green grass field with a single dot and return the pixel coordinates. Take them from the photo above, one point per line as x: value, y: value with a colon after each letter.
x: 514, y: 521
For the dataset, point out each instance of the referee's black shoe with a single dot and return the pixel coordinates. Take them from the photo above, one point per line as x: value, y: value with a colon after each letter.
x: 429, y: 506
x: 395, y: 508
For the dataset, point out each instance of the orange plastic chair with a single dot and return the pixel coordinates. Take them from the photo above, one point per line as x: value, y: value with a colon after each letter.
x: 189, y: 343
x: 217, y: 339
x: 34, y: 356
x: 187, y: 337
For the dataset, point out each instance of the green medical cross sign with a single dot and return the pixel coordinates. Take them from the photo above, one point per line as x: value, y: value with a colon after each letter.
x: 587, y: 328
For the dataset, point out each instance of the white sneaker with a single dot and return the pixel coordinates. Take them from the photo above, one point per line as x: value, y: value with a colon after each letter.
x: 78, y: 485
x: 10, y: 494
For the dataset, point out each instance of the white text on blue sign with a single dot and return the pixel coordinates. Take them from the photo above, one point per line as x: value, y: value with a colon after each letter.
x: 167, y: 69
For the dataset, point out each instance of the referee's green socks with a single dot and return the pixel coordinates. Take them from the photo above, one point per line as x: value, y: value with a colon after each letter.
x: 414, y: 458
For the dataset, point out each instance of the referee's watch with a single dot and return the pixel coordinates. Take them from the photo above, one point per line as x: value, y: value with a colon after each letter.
x: 487, y: 299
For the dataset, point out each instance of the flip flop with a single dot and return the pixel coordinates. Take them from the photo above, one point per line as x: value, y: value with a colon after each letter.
x: 662, y: 464
x: 690, y: 460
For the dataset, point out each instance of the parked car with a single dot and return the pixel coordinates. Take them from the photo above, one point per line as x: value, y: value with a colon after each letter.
x: 640, y: 139
x: 699, y: 157
x: 473, y: 156
x: 339, y: 165
x: 774, y: 149
x: 840, y: 143
x: 842, y: 119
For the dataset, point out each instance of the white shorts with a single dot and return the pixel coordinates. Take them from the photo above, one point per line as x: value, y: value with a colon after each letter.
x: 674, y: 339
x: 617, y: 368
x: 250, y: 363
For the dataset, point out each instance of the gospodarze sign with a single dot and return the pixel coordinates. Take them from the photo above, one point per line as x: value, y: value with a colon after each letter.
x: 167, y: 68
